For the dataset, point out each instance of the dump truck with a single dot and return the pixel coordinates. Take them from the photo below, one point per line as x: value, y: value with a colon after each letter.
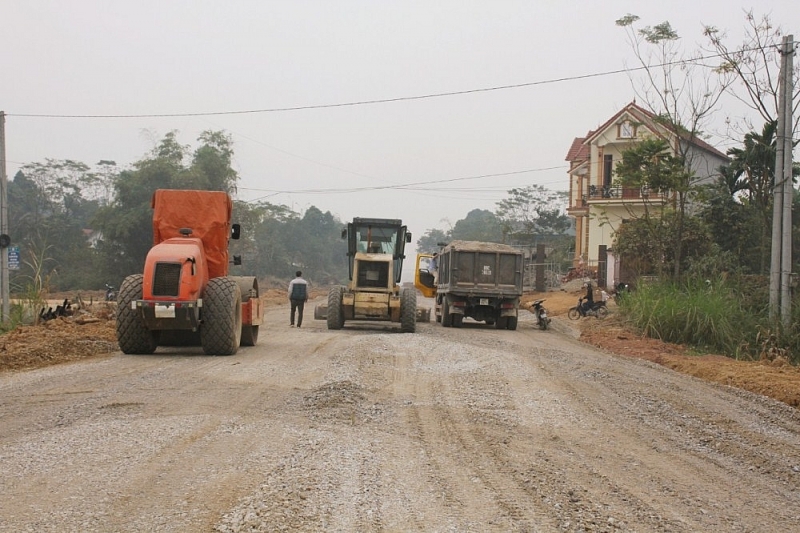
x: 375, y: 250
x: 184, y: 295
x: 478, y: 280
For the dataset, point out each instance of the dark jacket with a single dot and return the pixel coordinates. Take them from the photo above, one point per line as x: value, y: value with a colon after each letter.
x: 298, y: 289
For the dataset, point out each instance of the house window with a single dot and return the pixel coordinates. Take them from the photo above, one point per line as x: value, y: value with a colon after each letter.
x: 608, y: 165
x: 626, y: 130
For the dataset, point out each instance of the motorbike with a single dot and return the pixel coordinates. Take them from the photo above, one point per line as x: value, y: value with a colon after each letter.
x: 597, y: 309
x: 111, y: 293
x: 620, y: 291
x: 542, y: 320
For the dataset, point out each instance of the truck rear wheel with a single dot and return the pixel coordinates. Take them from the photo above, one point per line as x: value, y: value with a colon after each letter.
x: 458, y: 320
x: 132, y: 333
x: 221, y: 330
x: 408, y: 310
x: 501, y: 322
x: 511, y: 322
x: 335, y: 316
x: 447, y: 318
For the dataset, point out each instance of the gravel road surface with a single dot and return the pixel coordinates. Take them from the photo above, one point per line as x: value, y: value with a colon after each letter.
x: 368, y: 429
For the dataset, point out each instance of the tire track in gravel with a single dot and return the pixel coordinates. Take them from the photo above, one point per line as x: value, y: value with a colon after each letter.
x: 382, y: 365
x: 558, y: 478
x: 669, y: 443
x: 256, y: 397
x: 56, y: 404
x: 428, y: 499
x: 473, y: 481
x: 187, y: 475
x: 490, y: 470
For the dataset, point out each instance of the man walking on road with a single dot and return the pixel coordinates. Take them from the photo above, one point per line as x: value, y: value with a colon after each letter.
x: 298, y: 294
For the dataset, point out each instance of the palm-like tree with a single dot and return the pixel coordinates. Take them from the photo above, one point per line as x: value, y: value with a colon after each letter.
x: 752, y: 167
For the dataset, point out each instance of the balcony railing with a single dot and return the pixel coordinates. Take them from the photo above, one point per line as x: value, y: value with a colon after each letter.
x: 621, y: 193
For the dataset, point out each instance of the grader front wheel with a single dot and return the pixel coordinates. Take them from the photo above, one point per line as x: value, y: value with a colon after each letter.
x: 335, y: 315
x: 408, y: 311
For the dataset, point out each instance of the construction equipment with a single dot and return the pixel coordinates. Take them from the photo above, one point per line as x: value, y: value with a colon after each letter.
x: 375, y: 249
x: 479, y: 280
x: 185, y: 295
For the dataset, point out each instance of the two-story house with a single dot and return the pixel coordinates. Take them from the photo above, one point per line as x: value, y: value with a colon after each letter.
x: 596, y: 204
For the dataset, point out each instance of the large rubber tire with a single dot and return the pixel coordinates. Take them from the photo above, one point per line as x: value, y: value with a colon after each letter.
x: 408, y: 310
x: 511, y: 322
x: 602, y: 312
x: 501, y: 323
x: 573, y: 313
x: 447, y: 318
x: 132, y: 333
x: 458, y: 320
x: 335, y: 316
x: 221, y: 328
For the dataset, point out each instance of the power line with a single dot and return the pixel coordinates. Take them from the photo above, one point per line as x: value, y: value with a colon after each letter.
x: 403, y: 186
x: 375, y: 101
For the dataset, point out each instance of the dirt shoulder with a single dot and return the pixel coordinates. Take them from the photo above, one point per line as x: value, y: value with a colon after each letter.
x: 776, y: 379
x: 90, y: 333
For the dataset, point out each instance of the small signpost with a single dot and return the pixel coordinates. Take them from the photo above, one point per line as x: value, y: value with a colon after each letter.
x: 13, y: 257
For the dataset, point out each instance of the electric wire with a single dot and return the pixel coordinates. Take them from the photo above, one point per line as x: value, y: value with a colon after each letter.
x: 696, y: 60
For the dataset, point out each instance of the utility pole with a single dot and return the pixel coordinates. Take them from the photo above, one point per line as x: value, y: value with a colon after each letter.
x: 780, y: 303
x: 4, y: 239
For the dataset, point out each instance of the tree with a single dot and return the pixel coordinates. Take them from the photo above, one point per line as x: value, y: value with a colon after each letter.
x: 211, y: 163
x: 755, y: 65
x: 532, y: 211
x: 49, y: 208
x: 650, y: 163
x: 649, y: 245
x: 478, y: 225
x: 318, y: 245
x: 683, y: 100
x: 736, y: 228
x: 429, y: 242
x: 126, y: 223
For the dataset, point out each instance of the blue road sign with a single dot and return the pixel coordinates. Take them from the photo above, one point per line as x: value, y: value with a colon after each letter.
x: 13, y: 257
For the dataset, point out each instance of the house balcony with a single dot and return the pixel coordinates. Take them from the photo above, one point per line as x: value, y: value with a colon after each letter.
x: 620, y: 195
x: 613, y: 196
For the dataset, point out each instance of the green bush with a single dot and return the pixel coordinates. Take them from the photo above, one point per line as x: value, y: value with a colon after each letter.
x: 710, y: 315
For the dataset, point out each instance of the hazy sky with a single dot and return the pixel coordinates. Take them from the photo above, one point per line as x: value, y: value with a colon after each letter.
x: 81, y: 57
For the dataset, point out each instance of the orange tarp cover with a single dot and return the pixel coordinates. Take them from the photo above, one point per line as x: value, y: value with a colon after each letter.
x: 206, y: 213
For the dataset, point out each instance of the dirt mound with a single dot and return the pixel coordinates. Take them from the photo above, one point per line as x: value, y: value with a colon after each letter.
x: 87, y: 333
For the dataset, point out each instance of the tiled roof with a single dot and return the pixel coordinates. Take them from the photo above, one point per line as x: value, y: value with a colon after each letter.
x: 579, y: 151
x: 643, y: 115
x: 576, y: 149
x: 640, y: 113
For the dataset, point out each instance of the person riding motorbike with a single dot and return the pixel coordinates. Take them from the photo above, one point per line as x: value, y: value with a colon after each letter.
x: 588, y: 300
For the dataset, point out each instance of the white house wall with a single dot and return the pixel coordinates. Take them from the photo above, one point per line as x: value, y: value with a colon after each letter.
x: 604, y: 222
